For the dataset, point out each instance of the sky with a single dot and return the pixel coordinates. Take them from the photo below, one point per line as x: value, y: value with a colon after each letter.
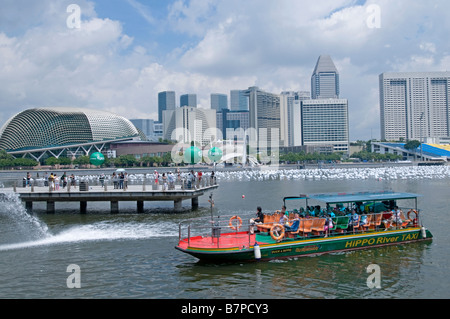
x: 116, y: 55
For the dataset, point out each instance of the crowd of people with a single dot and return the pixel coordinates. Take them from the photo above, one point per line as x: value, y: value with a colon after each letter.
x: 120, y: 179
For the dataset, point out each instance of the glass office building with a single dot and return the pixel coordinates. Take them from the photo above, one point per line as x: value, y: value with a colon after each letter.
x: 166, y: 101
x: 325, y: 79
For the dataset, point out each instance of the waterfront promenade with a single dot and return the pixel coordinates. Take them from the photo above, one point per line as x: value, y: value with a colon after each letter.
x: 84, y: 193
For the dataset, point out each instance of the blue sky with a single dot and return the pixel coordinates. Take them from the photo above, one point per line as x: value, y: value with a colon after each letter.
x: 126, y: 51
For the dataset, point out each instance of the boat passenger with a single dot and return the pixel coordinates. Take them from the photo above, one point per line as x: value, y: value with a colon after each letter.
x: 354, y: 218
x: 328, y: 224
x: 295, y: 224
x: 302, y: 212
x: 395, y: 218
x: 363, y: 220
x: 258, y: 220
x: 284, y: 218
x: 259, y: 216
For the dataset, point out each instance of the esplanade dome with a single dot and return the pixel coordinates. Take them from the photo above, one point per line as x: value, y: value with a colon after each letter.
x: 50, y: 127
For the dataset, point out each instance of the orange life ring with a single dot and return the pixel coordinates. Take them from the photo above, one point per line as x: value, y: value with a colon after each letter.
x: 415, y: 213
x: 238, y: 225
x: 277, y: 234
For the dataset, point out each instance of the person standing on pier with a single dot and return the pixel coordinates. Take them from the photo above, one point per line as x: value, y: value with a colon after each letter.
x: 156, y: 175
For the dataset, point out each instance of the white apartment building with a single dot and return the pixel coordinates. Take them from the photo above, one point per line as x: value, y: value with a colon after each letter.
x: 414, y: 105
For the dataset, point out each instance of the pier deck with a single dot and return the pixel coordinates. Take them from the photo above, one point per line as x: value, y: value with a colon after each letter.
x: 136, y: 193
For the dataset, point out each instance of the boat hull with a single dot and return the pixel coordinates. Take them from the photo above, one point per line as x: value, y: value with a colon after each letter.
x: 307, y: 247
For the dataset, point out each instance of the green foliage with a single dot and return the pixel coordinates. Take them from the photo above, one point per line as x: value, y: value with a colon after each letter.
x: 304, y: 157
x: 412, y: 145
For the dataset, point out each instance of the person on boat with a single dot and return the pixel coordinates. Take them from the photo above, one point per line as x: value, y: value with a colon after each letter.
x: 284, y: 218
x: 258, y: 220
x: 302, y: 212
x: 259, y: 215
x: 354, y: 219
x: 329, y: 224
x: 395, y: 218
x: 363, y: 221
x: 295, y: 224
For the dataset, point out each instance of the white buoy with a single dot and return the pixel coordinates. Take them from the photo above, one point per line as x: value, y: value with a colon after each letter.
x: 424, y: 233
x: 257, y: 251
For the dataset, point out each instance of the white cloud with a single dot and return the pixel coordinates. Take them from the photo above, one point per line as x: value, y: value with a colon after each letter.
x: 227, y: 44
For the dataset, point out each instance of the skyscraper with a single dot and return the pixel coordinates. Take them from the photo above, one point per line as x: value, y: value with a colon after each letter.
x: 188, y: 100
x: 290, y: 116
x: 187, y: 124
x: 166, y: 101
x: 325, y: 79
x: 325, y: 122
x: 414, y: 105
x: 238, y: 100
x: 219, y: 101
x: 264, y: 116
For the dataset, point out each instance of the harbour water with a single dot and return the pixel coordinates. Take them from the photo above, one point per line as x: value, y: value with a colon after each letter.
x: 130, y: 255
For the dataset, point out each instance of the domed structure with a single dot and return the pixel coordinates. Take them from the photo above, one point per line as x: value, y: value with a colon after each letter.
x: 34, y: 130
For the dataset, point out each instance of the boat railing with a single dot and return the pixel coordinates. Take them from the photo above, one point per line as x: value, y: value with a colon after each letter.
x: 221, y: 231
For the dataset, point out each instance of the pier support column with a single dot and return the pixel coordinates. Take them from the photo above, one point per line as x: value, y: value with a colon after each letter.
x: 29, y: 206
x: 83, y: 207
x: 140, y: 207
x: 50, y: 207
x: 114, y: 207
x: 194, y: 202
x: 178, y: 205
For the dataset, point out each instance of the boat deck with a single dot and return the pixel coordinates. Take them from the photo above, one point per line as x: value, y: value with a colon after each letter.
x: 230, y: 240
x: 226, y: 241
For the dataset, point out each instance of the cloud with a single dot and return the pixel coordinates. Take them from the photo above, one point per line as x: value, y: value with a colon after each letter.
x: 220, y: 45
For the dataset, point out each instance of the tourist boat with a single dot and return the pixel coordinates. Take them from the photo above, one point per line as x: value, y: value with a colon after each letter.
x: 238, y: 239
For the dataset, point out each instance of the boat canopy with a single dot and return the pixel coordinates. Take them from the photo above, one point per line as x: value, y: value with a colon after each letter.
x: 335, y: 198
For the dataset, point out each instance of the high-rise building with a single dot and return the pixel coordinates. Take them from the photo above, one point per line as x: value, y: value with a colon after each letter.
x: 188, y: 100
x: 232, y: 124
x: 151, y: 129
x: 325, y: 79
x: 325, y: 122
x: 166, y: 101
x: 238, y: 100
x: 414, y: 105
x: 219, y: 101
x: 290, y: 116
x: 186, y: 124
x: 264, y: 116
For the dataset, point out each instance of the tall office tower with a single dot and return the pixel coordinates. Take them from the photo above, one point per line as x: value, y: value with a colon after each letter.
x: 147, y: 126
x: 414, y: 105
x: 290, y: 119
x: 325, y: 79
x: 186, y: 124
x: 325, y: 122
x: 166, y: 101
x: 188, y: 100
x: 238, y: 100
x: 264, y: 115
x: 219, y: 101
x: 232, y: 124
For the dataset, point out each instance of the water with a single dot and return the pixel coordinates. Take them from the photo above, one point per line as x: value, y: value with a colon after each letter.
x: 132, y: 255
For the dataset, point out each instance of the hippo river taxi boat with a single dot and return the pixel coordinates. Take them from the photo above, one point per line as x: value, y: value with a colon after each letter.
x: 338, y: 222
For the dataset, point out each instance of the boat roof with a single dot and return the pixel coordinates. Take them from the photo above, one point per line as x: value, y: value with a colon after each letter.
x: 334, y: 198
